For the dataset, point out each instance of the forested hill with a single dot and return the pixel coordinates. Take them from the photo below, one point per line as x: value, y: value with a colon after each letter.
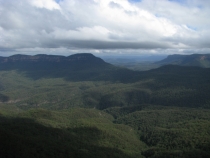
x: 201, y: 60
x: 77, y: 67
x: 83, y: 57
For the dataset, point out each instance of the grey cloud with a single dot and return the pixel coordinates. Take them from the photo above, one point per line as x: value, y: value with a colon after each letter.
x: 93, y: 44
x: 130, y: 12
x: 20, y: 15
x: 114, y: 5
x: 202, y: 42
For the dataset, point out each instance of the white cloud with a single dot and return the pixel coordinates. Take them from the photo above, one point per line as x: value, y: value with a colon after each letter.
x: 94, y: 25
x: 48, y: 4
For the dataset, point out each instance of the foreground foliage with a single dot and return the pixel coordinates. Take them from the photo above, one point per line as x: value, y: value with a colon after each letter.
x: 166, y: 130
x: 149, y: 131
x: 69, y: 133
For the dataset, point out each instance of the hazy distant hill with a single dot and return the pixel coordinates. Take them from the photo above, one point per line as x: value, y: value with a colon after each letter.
x: 137, y: 63
x: 201, y: 60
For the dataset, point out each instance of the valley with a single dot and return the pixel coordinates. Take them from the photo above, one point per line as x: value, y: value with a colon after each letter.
x: 81, y: 106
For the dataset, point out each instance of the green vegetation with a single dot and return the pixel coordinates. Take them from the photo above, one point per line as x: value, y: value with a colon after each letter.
x: 169, y: 129
x: 67, y: 133
x: 98, y: 110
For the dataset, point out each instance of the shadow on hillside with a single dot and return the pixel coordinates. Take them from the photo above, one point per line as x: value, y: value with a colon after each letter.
x: 101, y: 71
x: 25, y: 138
x: 3, y: 98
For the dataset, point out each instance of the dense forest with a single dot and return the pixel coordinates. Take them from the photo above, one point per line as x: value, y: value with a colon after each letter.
x: 81, y: 106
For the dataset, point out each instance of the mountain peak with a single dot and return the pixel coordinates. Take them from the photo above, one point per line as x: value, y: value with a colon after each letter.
x: 85, y: 57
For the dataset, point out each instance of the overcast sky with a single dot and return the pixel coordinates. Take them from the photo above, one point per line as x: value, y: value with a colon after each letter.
x: 65, y: 27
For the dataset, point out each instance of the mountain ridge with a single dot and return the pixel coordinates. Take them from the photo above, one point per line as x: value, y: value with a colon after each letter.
x: 201, y: 60
x: 50, y: 58
x: 76, y: 67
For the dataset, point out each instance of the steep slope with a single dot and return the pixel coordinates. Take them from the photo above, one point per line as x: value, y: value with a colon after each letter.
x: 201, y: 60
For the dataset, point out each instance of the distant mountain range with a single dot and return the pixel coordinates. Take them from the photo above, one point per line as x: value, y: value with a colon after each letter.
x: 87, y: 67
x: 201, y: 60
x: 87, y: 60
x: 127, y: 59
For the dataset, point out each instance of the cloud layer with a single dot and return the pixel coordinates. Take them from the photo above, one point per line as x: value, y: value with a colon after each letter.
x: 104, y: 26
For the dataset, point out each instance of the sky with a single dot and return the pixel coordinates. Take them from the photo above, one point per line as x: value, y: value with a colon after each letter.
x: 104, y: 27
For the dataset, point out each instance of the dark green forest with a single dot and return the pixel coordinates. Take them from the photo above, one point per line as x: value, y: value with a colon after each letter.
x: 80, y: 106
